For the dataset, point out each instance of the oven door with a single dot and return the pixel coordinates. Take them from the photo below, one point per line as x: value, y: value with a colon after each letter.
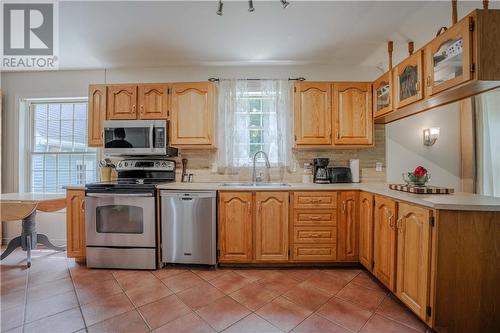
x: 120, y: 219
x: 135, y: 137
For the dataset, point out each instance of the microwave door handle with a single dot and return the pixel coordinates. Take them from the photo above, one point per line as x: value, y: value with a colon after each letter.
x: 151, y: 131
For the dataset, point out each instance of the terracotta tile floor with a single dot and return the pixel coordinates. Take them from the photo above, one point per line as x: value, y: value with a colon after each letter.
x: 59, y: 295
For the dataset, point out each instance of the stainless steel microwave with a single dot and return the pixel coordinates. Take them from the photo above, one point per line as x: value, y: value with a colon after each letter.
x: 135, y: 137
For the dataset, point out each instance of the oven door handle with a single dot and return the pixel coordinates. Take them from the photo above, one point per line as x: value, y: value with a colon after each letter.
x: 107, y: 195
x: 151, y: 132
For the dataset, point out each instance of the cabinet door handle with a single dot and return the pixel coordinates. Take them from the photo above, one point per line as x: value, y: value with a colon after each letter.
x: 315, y: 218
x: 343, y: 206
x: 391, y: 222
x: 313, y: 235
x: 142, y: 109
x: 428, y: 81
x: 417, y: 86
x: 249, y: 208
x: 399, y: 225
x: 133, y: 108
x: 82, y: 206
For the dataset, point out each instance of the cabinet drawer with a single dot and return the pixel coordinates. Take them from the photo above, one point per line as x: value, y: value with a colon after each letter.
x: 314, y: 252
x: 315, y: 235
x: 315, y: 217
x: 315, y: 200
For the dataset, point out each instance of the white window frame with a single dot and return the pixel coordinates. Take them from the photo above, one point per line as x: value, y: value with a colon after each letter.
x: 29, y: 104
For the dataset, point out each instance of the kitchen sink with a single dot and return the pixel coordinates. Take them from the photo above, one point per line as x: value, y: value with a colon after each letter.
x: 257, y: 184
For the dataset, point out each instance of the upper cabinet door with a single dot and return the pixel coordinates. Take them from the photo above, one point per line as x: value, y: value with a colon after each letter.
x: 96, y: 114
x: 122, y: 102
x: 408, y: 80
x: 384, y: 242
x: 192, y: 113
x: 348, y: 227
x: 413, y: 266
x: 366, y: 230
x: 382, y: 95
x: 235, y: 227
x: 271, y: 226
x: 352, y: 110
x: 449, y: 58
x: 312, y: 112
x: 153, y: 101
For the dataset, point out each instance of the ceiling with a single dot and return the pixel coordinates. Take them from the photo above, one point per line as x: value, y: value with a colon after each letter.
x: 167, y: 33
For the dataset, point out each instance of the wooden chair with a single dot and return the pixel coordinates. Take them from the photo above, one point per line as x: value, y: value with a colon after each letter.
x: 26, y: 212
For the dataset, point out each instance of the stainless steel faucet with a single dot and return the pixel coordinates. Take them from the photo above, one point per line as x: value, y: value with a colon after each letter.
x: 268, y: 166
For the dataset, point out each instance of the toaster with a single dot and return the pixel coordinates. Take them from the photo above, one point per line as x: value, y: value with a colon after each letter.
x: 340, y: 175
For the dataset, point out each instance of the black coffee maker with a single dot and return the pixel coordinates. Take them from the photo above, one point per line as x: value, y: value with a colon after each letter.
x: 321, y: 175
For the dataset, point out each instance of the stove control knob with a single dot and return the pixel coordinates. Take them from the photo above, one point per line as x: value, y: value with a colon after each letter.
x: 120, y: 164
x: 157, y: 164
x: 126, y: 164
x: 164, y: 164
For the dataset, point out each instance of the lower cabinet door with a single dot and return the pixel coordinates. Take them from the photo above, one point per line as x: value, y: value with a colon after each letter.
x: 366, y: 230
x: 75, y: 224
x: 384, y: 242
x: 413, y: 265
x: 235, y: 227
x: 271, y: 226
x: 347, y: 227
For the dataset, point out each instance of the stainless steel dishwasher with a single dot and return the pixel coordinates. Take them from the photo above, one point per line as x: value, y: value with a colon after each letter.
x: 188, y: 222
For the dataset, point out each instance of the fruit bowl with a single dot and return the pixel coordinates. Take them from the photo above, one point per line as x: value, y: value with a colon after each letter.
x: 410, y: 179
x: 419, y: 177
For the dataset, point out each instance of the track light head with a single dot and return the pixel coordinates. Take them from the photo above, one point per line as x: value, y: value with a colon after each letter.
x: 250, y: 6
x: 285, y: 3
x: 219, y: 8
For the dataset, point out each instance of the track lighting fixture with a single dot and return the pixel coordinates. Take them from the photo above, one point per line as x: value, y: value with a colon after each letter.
x: 219, y: 8
x: 250, y: 6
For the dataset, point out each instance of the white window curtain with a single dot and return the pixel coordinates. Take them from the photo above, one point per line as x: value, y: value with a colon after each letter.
x: 254, y: 115
x: 488, y: 143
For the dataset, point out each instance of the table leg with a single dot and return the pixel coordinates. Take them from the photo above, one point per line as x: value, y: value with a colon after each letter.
x: 28, y: 250
x: 43, y: 239
x: 13, y: 244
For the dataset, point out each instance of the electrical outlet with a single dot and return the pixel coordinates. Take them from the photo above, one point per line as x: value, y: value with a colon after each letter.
x: 378, y: 166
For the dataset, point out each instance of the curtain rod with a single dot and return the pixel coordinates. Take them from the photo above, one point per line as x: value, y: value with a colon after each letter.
x: 216, y: 79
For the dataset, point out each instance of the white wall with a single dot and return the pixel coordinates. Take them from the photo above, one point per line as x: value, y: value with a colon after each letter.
x: 405, y: 149
x: 17, y: 86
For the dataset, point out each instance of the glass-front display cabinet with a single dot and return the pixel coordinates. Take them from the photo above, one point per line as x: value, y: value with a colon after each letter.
x: 449, y: 58
x: 382, y: 95
x: 408, y: 80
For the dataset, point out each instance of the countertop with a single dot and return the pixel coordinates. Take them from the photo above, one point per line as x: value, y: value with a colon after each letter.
x: 456, y: 201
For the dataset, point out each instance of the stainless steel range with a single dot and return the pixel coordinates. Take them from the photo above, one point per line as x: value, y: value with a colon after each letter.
x: 120, y: 216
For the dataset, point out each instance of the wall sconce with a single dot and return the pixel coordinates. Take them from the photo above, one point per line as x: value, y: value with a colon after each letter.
x: 431, y: 135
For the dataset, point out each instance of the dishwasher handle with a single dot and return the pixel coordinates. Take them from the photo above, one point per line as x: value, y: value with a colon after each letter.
x: 188, y: 195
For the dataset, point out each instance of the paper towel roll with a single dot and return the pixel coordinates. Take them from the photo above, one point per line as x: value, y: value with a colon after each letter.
x: 354, y: 165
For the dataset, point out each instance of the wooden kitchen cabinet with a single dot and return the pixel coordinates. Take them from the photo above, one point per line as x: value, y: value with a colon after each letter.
x: 96, y: 114
x: 413, y: 257
x: 75, y: 224
x: 348, y: 227
x: 408, y: 87
x: 384, y: 241
x: 235, y: 227
x: 192, y: 113
x: 313, y: 113
x: 366, y: 230
x: 122, y: 102
x: 382, y: 95
x: 271, y: 226
x: 352, y: 113
x: 449, y: 58
x: 153, y: 101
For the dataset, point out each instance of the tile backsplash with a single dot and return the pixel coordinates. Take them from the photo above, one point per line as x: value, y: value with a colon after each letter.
x: 200, y: 162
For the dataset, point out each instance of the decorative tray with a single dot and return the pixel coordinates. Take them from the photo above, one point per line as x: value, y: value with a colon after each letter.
x: 421, y: 189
